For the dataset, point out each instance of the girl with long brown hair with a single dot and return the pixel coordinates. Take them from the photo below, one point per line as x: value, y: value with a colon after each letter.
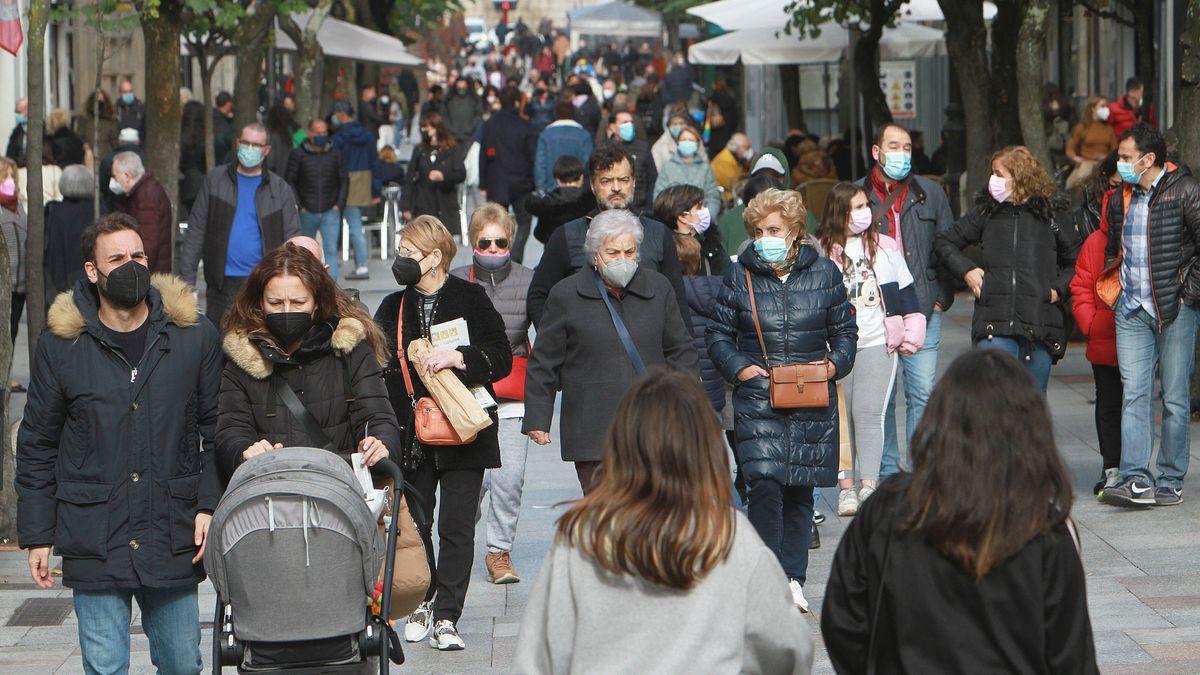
x: 1027, y: 234
x: 659, y: 539
x: 889, y: 319
x: 434, y: 174
x: 971, y: 562
x: 290, y: 327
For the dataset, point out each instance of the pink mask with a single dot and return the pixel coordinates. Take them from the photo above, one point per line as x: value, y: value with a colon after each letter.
x: 860, y: 220
x: 579, y: 100
x: 8, y: 188
x: 999, y: 188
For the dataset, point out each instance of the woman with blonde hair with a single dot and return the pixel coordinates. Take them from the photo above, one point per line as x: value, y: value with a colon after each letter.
x: 1024, y: 227
x: 658, y: 539
x: 431, y: 298
x: 491, y: 235
x: 783, y: 304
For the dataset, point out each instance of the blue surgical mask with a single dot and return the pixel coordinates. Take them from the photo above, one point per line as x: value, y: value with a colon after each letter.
x: 249, y: 156
x: 675, y: 130
x: 1125, y: 169
x: 626, y: 131
x: 897, y: 164
x: 335, y: 121
x: 688, y: 148
x: 320, y: 141
x: 127, y: 99
x: 21, y: 119
x: 772, y: 249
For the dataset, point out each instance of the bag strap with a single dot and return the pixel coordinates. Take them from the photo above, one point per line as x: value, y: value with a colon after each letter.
x: 400, y: 349
x: 754, y: 313
x: 639, y: 366
x: 296, y: 407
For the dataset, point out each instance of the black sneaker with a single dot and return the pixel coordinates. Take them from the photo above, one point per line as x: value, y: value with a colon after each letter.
x: 815, y: 542
x: 1165, y: 496
x: 1131, y: 494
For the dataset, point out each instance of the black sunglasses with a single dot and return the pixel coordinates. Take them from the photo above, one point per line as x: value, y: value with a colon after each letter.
x: 485, y: 244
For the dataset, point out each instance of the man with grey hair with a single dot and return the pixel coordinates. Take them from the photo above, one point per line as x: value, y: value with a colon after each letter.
x: 128, y: 140
x: 241, y: 212
x: 141, y: 195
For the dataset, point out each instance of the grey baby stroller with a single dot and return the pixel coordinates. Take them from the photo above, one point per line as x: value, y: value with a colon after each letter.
x: 294, y: 553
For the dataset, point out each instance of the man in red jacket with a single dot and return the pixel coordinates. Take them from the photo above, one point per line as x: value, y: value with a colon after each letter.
x: 1131, y: 108
x: 140, y: 195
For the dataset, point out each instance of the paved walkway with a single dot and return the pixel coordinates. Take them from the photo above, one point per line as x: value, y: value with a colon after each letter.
x: 1143, y: 590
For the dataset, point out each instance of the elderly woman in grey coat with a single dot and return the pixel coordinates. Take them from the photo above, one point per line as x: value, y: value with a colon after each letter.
x: 491, y: 233
x: 580, y: 350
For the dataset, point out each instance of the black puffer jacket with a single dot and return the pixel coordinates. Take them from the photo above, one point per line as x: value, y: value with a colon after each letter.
x: 110, y: 471
x: 1028, y: 250
x: 328, y: 360
x: 804, y: 319
x: 488, y: 359
x: 319, y: 178
x: 1174, y: 233
x: 702, y: 292
x: 557, y: 208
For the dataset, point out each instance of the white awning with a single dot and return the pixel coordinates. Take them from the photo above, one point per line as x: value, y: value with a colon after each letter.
x: 741, y: 14
x: 762, y: 46
x: 615, y: 19
x: 344, y: 40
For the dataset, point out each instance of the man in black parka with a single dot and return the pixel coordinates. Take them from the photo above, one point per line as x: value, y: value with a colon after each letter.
x: 115, y: 461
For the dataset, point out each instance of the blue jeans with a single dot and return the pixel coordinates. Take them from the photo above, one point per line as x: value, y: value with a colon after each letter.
x: 170, y: 617
x: 329, y: 224
x: 1037, y: 361
x: 920, y: 369
x: 783, y: 517
x: 358, y: 241
x: 1139, y: 348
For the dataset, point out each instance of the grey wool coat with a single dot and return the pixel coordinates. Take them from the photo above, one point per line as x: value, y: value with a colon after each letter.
x: 578, y: 352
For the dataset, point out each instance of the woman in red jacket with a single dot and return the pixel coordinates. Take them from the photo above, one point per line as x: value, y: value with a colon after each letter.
x: 1096, y: 321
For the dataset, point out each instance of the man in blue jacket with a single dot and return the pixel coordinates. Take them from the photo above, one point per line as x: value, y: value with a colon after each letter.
x: 507, y: 145
x: 115, y: 457
x: 562, y: 137
x: 357, y: 147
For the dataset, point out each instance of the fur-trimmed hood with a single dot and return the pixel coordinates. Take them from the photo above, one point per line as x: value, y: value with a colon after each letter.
x: 242, y: 350
x: 66, y: 319
x: 1044, y: 208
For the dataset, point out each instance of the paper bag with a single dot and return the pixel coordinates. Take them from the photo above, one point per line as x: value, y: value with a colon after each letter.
x: 457, y: 402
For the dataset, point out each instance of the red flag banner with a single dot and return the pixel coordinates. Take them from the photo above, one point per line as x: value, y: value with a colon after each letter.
x: 11, y: 36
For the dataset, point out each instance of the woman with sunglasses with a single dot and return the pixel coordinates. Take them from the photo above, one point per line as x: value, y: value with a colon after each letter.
x: 507, y: 285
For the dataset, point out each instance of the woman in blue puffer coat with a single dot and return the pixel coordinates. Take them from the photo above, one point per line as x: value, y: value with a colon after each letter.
x: 805, y: 318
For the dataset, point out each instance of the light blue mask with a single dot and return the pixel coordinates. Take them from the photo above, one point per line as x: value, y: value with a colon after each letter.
x: 772, y: 249
x: 897, y: 164
x: 127, y: 99
x: 249, y: 156
x: 688, y: 148
x: 1125, y: 170
x: 21, y: 119
x: 626, y: 132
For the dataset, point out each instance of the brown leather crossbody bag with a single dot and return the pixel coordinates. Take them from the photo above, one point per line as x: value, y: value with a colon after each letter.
x: 794, y: 385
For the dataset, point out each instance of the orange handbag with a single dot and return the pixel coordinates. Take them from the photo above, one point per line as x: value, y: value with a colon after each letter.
x: 794, y: 385
x: 429, y: 422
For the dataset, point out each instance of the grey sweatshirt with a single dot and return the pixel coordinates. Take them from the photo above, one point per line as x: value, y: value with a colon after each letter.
x: 738, y: 619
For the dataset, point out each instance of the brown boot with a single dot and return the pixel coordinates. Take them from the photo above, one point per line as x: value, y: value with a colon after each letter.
x: 500, y: 569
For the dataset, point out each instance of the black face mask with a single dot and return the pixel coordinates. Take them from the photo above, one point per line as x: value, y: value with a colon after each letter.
x: 425, y: 137
x: 406, y: 270
x: 289, y: 327
x: 126, y: 285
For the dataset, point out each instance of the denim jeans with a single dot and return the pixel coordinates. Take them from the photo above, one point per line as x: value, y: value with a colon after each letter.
x: 782, y: 515
x: 505, y: 485
x: 1139, y: 348
x: 329, y: 224
x: 170, y: 617
x: 1037, y: 361
x: 920, y: 369
x: 358, y: 241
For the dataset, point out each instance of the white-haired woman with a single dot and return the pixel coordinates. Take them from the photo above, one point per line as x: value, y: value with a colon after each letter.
x: 580, y: 350
x: 65, y: 221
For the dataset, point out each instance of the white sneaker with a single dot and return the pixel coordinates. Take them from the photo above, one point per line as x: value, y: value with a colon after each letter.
x: 847, y: 502
x: 798, y: 598
x: 419, y: 623
x: 865, y: 493
x: 445, y: 637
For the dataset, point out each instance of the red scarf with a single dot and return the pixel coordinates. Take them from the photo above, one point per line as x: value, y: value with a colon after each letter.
x: 9, y: 202
x: 882, y: 192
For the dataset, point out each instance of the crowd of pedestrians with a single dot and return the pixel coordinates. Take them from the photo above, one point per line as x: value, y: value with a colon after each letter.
x: 692, y: 304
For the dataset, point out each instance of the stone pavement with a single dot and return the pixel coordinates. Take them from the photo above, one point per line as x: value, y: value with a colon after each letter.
x: 1144, y: 578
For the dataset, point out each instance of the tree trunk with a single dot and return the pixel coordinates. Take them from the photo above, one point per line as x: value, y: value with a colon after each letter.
x: 866, y: 67
x: 966, y: 42
x: 789, y: 78
x: 210, y: 149
x: 35, y: 293
x: 1187, y: 126
x: 8, y: 492
x: 163, y: 111
x: 1146, y: 52
x: 251, y: 41
x: 308, y: 59
x: 1031, y: 54
x: 329, y: 82
x: 95, y: 139
x: 1006, y: 119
